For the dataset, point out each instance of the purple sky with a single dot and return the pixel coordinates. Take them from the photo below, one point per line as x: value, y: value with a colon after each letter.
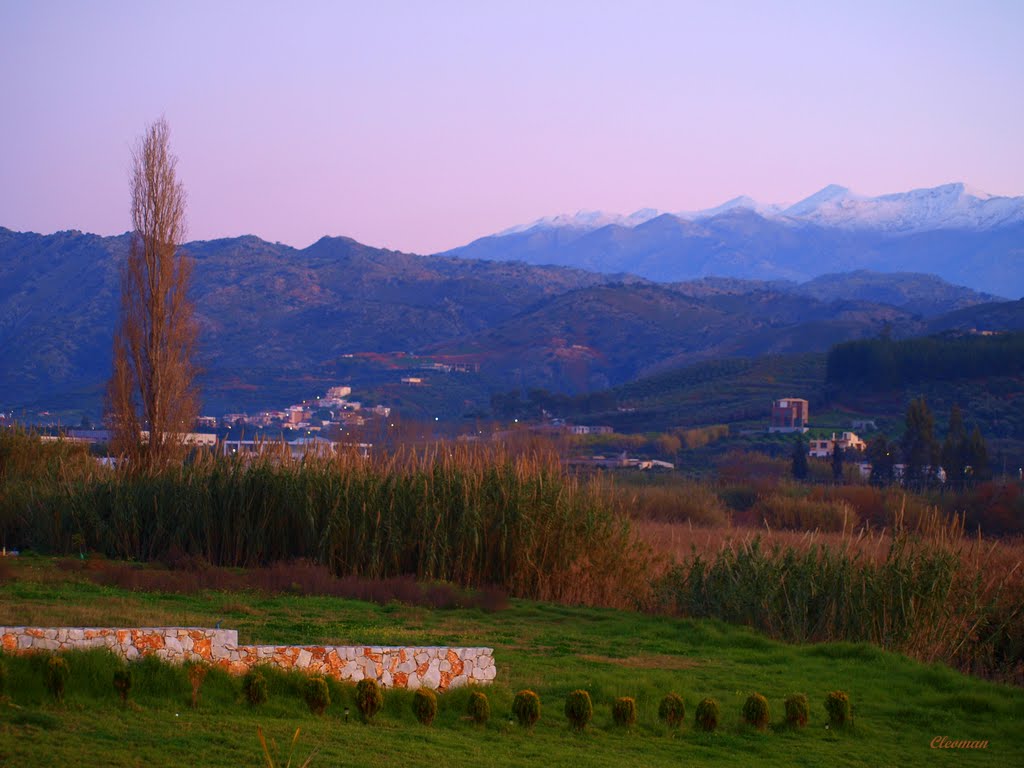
x: 422, y: 125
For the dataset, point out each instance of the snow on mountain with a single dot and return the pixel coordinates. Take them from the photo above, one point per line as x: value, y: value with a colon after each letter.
x: 950, y: 206
x: 584, y: 221
x: 741, y: 202
x: 831, y: 197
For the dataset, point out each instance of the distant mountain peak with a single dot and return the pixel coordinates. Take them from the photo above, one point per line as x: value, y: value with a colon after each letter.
x: 741, y: 203
x: 584, y: 220
x: 949, y: 206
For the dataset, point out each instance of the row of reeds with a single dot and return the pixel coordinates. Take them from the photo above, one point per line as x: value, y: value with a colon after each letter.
x: 816, y: 594
x: 924, y: 588
x: 471, y: 516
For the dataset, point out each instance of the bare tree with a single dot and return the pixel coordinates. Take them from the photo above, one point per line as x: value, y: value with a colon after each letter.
x: 152, y: 386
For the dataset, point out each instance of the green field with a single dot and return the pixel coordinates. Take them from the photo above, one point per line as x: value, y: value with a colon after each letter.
x: 899, y: 705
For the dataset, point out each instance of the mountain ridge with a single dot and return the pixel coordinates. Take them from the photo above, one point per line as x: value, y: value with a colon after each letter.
x: 277, y: 322
x: 964, y: 236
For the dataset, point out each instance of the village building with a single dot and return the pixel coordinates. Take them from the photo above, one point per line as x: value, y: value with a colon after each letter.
x: 789, y: 414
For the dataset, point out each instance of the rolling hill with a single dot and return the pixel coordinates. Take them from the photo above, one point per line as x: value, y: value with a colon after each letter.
x: 279, y: 323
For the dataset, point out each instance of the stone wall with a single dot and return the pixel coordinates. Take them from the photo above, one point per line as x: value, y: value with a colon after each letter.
x: 434, y: 667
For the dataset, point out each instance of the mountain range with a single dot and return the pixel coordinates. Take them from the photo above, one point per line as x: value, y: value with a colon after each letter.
x: 963, y: 235
x: 279, y: 323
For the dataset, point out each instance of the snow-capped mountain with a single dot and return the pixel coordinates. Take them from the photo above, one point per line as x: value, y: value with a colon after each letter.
x: 950, y: 206
x: 584, y: 221
x: 965, y: 236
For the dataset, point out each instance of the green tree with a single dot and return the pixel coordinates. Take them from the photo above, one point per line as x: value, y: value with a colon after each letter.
x: 837, y: 462
x: 880, y: 453
x: 976, y: 458
x: 954, y: 449
x: 799, y: 468
x: 920, y: 449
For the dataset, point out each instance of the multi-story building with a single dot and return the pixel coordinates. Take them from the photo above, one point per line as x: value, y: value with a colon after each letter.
x: 790, y: 414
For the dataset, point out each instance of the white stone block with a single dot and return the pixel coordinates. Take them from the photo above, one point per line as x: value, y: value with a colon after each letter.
x: 431, y: 678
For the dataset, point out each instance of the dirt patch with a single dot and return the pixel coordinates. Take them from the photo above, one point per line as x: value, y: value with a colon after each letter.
x: 646, y: 661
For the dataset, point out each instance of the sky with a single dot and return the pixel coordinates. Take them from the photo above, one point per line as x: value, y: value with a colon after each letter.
x: 420, y: 126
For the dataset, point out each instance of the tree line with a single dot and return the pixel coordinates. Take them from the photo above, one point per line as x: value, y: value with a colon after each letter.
x: 884, y: 363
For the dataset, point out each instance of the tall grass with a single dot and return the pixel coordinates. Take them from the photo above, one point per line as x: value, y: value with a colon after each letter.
x: 461, y: 514
x: 924, y: 589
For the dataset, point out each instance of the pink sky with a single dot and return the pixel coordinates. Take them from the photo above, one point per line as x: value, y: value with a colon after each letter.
x: 421, y: 126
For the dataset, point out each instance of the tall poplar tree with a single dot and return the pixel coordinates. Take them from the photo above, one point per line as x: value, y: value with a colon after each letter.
x: 152, y: 388
x: 920, y: 449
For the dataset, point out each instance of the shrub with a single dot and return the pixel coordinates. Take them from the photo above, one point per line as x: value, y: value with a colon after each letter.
x: 672, y: 710
x: 578, y: 709
x: 526, y: 708
x: 479, y: 708
x: 369, y: 698
x: 756, y: 712
x: 424, y: 705
x: 3, y: 677
x: 123, y: 683
x: 318, y: 698
x: 707, y: 715
x: 196, y: 675
x: 255, y: 686
x: 837, y: 704
x: 797, y: 710
x: 624, y: 711
x: 57, y: 673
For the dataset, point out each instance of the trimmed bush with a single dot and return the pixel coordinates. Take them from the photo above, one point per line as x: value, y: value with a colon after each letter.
x: 57, y: 673
x: 797, y: 710
x: 756, y: 712
x: 196, y: 675
x: 479, y: 708
x: 579, y: 709
x: 369, y: 698
x: 255, y: 686
x: 3, y: 676
x: 424, y: 705
x: 837, y: 704
x: 526, y: 708
x: 318, y: 698
x: 672, y: 710
x: 123, y: 683
x: 707, y: 715
x: 624, y: 711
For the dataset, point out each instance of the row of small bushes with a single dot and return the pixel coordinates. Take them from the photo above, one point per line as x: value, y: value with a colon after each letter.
x: 369, y: 697
x: 579, y: 710
x: 526, y: 706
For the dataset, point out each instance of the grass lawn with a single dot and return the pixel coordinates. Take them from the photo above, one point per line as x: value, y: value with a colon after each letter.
x: 899, y: 705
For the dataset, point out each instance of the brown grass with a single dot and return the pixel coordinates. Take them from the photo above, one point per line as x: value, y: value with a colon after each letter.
x: 281, y: 578
x: 645, y: 661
